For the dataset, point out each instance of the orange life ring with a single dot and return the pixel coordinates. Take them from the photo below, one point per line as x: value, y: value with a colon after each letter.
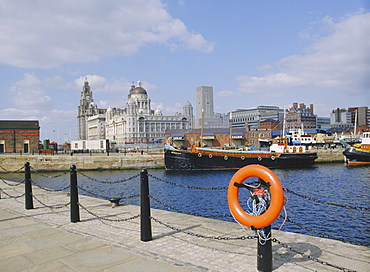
x: 276, y: 190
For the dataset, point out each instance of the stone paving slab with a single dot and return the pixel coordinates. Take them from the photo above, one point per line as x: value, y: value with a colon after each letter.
x: 44, y: 239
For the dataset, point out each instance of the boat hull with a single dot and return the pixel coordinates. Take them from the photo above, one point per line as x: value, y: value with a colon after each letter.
x: 187, y: 160
x: 356, y: 156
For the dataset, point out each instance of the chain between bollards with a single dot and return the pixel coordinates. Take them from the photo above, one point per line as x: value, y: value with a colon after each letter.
x: 75, y: 211
x: 145, y: 223
x: 28, y: 186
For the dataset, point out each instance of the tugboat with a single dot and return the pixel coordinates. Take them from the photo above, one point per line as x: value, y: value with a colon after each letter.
x: 359, y: 153
x: 282, y: 154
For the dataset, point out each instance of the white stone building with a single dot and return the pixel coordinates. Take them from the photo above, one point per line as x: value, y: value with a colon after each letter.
x: 135, y: 124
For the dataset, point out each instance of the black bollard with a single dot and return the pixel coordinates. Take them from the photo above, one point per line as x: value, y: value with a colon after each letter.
x: 75, y: 211
x: 264, y: 252
x: 145, y: 223
x: 28, y: 186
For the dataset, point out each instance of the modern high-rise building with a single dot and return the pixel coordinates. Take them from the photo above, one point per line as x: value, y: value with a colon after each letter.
x: 204, y: 111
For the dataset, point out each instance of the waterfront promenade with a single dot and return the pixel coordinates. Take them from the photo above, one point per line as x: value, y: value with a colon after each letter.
x: 44, y: 239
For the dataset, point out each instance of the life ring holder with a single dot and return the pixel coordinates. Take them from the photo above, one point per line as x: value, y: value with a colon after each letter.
x: 276, y: 190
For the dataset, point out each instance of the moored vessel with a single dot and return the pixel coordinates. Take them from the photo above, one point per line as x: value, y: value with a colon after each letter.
x: 359, y: 153
x: 280, y: 155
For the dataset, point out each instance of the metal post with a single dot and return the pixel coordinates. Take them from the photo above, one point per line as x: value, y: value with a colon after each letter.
x: 28, y: 186
x: 145, y: 223
x: 264, y: 252
x: 75, y: 212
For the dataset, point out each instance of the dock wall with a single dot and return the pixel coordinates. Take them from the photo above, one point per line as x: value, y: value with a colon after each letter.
x: 83, y: 161
x: 329, y: 155
x: 12, y: 162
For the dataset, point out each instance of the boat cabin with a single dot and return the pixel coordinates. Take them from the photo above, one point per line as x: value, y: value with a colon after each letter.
x: 282, y: 145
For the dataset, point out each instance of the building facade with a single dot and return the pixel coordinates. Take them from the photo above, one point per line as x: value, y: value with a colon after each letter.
x: 137, y: 123
x: 301, y: 117
x: 252, y: 117
x: 360, y: 116
x: 340, y: 118
x: 19, y: 136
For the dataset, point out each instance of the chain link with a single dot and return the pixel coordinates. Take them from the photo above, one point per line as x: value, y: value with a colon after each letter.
x: 213, y: 248
x: 324, y: 235
x: 326, y: 202
x: 105, y: 197
x: 12, y: 171
x: 48, y: 176
x: 22, y: 195
x: 18, y: 182
x: 108, y: 219
x: 50, y: 190
x: 202, y: 236
x: 190, y: 213
x: 186, y: 186
x: 108, y: 182
x: 57, y: 206
x: 310, y: 257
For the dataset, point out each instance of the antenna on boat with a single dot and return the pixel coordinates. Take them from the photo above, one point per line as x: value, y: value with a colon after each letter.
x: 231, y: 129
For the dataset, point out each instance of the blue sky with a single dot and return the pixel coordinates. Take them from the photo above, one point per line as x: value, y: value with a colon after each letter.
x: 251, y: 52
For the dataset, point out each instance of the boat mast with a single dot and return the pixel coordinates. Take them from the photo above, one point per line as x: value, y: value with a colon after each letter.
x: 355, y: 122
x: 231, y: 129
x: 202, y: 130
x: 284, y: 124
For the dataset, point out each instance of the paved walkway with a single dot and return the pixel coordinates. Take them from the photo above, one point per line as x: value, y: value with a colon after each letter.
x: 43, y: 239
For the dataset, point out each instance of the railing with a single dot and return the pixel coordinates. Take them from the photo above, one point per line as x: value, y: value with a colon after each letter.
x: 145, y: 208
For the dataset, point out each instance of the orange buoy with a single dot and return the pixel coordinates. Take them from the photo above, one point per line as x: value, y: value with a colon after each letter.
x: 276, y: 190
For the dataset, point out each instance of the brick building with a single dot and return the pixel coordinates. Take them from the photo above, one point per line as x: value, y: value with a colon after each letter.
x: 300, y: 117
x: 21, y: 136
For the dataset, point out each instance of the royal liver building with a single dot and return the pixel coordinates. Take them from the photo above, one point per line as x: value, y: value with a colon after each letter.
x: 137, y: 123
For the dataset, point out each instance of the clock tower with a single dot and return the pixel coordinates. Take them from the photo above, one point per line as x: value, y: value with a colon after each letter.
x: 85, y: 109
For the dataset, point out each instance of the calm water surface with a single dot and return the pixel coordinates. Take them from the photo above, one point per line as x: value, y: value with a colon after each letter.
x: 335, y: 183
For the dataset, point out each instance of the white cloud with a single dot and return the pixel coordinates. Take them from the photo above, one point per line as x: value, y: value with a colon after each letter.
x: 28, y: 94
x: 44, y: 34
x: 18, y: 114
x: 338, y: 61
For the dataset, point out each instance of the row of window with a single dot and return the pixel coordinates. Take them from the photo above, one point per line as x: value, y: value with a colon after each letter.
x: 26, y: 146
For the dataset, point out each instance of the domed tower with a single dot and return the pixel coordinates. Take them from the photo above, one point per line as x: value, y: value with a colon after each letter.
x: 140, y: 96
x: 187, y: 110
